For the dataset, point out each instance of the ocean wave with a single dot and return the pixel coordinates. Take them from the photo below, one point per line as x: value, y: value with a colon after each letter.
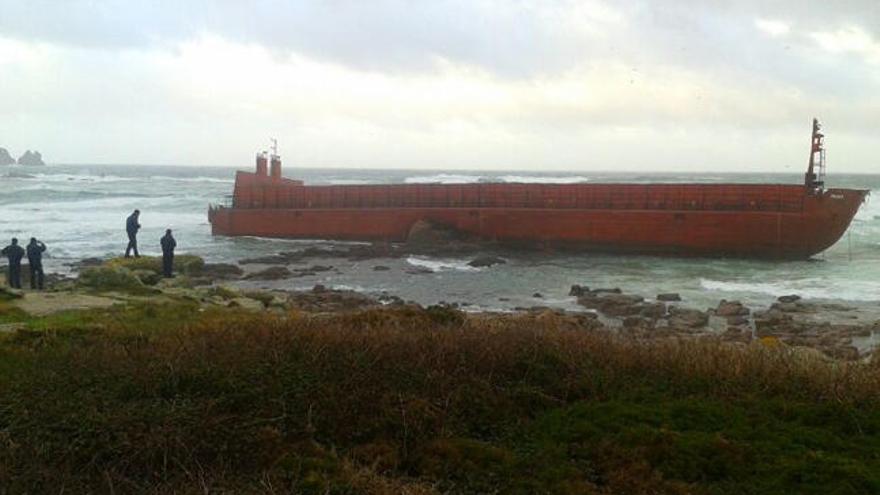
x: 350, y: 182
x: 440, y: 265
x: 576, y: 179
x: 472, y: 179
x: 444, y: 179
x: 812, y: 288
x: 109, y: 178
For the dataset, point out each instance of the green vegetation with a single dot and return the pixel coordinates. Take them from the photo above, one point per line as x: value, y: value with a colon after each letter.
x: 186, y: 264
x: 168, y: 398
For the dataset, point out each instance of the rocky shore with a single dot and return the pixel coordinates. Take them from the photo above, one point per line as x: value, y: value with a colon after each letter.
x: 834, y: 330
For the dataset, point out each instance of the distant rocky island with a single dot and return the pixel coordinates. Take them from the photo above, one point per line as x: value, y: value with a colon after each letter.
x: 6, y: 158
x: 33, y: 158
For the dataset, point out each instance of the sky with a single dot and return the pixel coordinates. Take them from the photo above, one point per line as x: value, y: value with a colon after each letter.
x: 665, y: 85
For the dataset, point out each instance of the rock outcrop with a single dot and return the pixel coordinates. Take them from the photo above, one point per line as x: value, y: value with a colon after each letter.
x: 32, y: 158
x: 6, y: 158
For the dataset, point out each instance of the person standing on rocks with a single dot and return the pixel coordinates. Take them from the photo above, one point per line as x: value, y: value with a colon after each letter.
x: 168, y: 244
x: 35, y: 250
x: 131, y: 228
x: 14, y: 253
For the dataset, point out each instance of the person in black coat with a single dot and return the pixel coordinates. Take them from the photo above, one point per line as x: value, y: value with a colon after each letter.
x: 131, y: 228
x: 35, y: 252
x: 168, y: 244
x: 14, y: 253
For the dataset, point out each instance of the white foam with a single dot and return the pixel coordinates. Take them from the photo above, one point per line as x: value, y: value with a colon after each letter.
x: 439, y: 265
x: 576, y: 179
x: 444, y: 179
x: 810, y: 288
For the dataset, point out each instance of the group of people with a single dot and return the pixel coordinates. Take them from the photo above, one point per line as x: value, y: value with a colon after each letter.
x: 132, y: 226
x: 35, y: 249
x: 14, y: 253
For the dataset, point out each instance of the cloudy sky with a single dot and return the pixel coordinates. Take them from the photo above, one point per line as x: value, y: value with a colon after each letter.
x: 697, y: 85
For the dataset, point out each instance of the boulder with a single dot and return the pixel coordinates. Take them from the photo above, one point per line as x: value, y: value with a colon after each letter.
x: 578, y: 290
x: 486, y: 260
x: 222, y: 271
x: 687, y: 318
x: 537, y: 295
x: 731, y: 308
x: 669, y: 297
x: 612, y: 304
x: 653, y: 310
x: 789, y: 299
x: 271, y: 273
x: 381, y: 268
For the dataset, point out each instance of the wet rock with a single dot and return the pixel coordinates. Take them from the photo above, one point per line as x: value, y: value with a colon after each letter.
x: 612, y: 304
x: 537, y: 295
x: 615, y: 290
x: 86, y: 263
x: 731, y: 308
x: 381, y: 268
x: 687, y: 318
x: 737, y: 320
x: 271, y: 273
x: 318, y: 268
x: 419, y: 270
x: 789, y: 299
x: 486, y: 260
x: 323, y: 300
x: 222, y: 271
x: 272, y: 259
x: 578, y: 290
x: 653, y: 310
x: 669, y: 297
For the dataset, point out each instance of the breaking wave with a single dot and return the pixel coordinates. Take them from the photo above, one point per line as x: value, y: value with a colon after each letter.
x: 444, y: 179
x: 811, y: 288
x: 440, y: 265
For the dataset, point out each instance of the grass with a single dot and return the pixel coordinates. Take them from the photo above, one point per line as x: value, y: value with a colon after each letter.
x: 167, y: 399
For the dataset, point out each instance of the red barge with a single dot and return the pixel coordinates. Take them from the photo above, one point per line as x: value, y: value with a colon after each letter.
x: 782, y: 221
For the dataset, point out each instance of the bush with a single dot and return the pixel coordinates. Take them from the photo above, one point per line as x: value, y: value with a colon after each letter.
x: 409, y: 399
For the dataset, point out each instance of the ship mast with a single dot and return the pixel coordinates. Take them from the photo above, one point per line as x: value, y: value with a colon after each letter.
x: 814, y: 180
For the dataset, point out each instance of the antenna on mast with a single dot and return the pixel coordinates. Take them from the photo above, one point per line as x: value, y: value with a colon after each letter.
x: 815, y: 179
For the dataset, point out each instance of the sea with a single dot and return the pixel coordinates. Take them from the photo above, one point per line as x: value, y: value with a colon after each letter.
x: 79, y: 211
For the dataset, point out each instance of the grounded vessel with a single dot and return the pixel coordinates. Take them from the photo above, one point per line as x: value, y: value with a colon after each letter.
x: 785, y: 221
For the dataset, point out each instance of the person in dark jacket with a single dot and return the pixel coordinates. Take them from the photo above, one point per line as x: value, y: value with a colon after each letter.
x: 131, y: 228
x: 35, y: 252
x: 14, y: 253
x: 168, y: 244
